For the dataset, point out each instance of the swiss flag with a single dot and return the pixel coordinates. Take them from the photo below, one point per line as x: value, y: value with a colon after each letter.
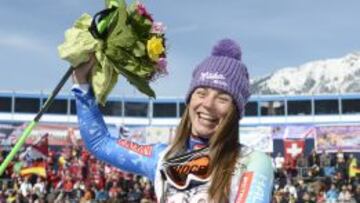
x: 292, y: 150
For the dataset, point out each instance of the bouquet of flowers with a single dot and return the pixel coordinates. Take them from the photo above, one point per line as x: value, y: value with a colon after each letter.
x: 131, y: 44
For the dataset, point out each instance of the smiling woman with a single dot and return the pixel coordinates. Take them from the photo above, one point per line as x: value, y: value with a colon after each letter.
x: 204, y: 162
x: 216, y: 98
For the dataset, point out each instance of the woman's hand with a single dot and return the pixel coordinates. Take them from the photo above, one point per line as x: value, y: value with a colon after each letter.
x: 81, y: 72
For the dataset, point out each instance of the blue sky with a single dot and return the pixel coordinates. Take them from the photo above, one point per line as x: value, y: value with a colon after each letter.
x: 272, y: 34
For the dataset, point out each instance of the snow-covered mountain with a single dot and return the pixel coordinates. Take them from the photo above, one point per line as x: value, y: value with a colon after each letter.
x: 341, y: 75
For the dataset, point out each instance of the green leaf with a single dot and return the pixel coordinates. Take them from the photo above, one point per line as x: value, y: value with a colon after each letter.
x: 103, y: 78
x: 139, y: 49
x: 138, y: 69
x: 140, y: 25
x: 110, y: 3
x: 121, y: 37
x: 78, y: 43
x: 141, y: 84
x: 132, y: 7
x: 118, y: 56
x: 83, y: 22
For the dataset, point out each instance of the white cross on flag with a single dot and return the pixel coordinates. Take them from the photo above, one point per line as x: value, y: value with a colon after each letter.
x: 292, y: 150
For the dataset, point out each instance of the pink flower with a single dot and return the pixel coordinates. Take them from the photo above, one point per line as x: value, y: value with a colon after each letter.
x: 161, y: 65
x: 158, y: 28
x: 140, y: 8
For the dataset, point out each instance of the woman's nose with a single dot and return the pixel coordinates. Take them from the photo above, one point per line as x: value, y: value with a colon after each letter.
x: 208, y: 102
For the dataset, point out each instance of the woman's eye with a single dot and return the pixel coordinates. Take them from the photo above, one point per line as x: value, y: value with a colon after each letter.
x: 224, y: 99
x: 201, y: 93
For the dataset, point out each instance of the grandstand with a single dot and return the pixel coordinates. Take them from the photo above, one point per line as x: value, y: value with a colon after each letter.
x: 261, y: 109
x: 264, y: 114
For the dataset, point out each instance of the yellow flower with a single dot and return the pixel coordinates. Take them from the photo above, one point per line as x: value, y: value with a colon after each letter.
x: 155, y: 47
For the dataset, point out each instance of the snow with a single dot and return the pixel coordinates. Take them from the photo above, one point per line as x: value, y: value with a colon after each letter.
x: 341, y: 75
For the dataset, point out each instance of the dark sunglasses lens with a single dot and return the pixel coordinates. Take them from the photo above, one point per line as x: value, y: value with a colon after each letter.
x: 198, y: 167
x: 176, y: 177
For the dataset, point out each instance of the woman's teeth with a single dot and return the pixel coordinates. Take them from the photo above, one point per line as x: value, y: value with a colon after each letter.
x: 207, y: 117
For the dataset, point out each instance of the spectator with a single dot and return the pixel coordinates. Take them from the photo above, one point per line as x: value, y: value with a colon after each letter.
x: 341, y: 168
x: 332, y: 194
x: 39, y: 187
x: 345, y: 195
x: 11, y: 196
x: 321, y: 197
x: 351, y: 166
x: 313, y: 159
x: 290, y: 189
x: 2, y: 196
x: 25, y: 187
x: 134, y: 195
x: 340, y: 155
x: 52, y: 194
x: 306, y: 198
x: 357, y: 193
x: 325, y: 161
x: 78, y: 190
x: 301, y: 188
x: 114, y: 194
x: 101, y: 195
x: 279, y: 162
x: 88, y: 196
x: 301, y: 165
x: 68, y: 186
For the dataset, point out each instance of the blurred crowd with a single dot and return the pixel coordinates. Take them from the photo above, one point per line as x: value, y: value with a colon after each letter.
x: 318, y: 178
x: 73, y: 175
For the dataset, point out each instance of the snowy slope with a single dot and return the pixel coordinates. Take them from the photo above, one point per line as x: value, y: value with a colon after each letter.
x: 340, y: 75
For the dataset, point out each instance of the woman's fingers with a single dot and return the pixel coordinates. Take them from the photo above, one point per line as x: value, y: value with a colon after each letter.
x: 81, y: 72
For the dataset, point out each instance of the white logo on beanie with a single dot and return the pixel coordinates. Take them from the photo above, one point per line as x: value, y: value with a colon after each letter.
x: 211, y: 76
x: 216, y: 77
x: 220, y: 82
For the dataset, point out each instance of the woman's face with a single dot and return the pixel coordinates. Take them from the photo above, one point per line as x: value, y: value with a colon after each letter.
x: 207, y: 109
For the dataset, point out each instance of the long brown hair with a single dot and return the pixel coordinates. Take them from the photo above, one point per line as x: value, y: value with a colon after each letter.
x: 224, y: 151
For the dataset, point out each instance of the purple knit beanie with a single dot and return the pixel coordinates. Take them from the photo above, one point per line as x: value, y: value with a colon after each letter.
x: 223, y: 70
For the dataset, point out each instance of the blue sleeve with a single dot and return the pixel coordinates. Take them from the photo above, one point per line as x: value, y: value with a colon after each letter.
x: 257, y: 181
x: 123, y: 154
